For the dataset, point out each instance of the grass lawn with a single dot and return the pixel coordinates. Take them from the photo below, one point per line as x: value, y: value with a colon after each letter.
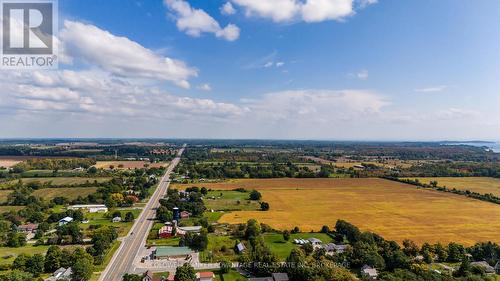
x: 101, y: 219
x: 224, y: 200
x: 214, y: 252
x: 232, y: 275
x: 7, y: 254
x: 282, y: 248
x: 154, y: 241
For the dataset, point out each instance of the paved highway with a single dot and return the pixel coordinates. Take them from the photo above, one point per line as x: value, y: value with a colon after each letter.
x: 123, y: 260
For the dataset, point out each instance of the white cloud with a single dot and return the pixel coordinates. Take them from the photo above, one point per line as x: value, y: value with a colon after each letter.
x: 365, y: 3
x: 196, y: 21
x: 121, y: 56
x: 307, y: 10
x: 227, y: 9
x: 280, y: 64
x: 268, y: 64
x: 432, y: 89
x: 363, y: 74
x: 205, y: 87
x: 321, y: 10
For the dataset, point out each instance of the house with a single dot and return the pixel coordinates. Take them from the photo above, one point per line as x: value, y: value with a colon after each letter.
x: 484, y: 265
x: 62, y: 274
x: 171, y: 277
x: 91, y: 208
x: 148, y: 276
x: 332, y: 248
x: 185, y: 215
x: 205, y: 276
x: 28, y: 228
x: 166, y: 231
x: 274, y: 277
x: 314, y: 241
x: 280, y: 277
x: 116, y: 219
x: 169, y: 252
x: 369, y: 272
x: 240, y: 247
x: 65, y: 220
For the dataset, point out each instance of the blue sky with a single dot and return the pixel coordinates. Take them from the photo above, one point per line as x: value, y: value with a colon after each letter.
x: 306, y: 69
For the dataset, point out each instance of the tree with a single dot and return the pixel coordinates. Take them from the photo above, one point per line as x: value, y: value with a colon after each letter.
x: 82, y: 266
x: 16, y: 239
x: 286, y: 235
x: 185, y: 273
x: 264, y: 206
x: 163, y: 214
x: 255, y: 195
x: 308, y: 248
x: 20, y: 262
x: 117, y: 214
x: 131, y: 277
x: 325, y: 229
x: 35, y: 265
x: 129, y: 216
x: 53, y: 259
x: 17, y: 275
x: 253, y: 229
x: 410, y: 248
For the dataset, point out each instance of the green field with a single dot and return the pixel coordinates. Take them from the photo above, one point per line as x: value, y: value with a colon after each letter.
x: 7, y: 254
x: 224, y: 200
x: 215, y: 251
x: 58, y: 180
x: 282, y: 248
x: 232, y: 275
x: 67, y: 192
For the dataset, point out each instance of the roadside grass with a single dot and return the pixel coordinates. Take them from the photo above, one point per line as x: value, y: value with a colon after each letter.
x: 109, y: 255
x: 282, y: 248
x: 7, y: 254
x: 215, y: 251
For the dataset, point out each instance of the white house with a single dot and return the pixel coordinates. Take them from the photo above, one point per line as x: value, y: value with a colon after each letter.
x: 369, y: 272
x: 92, y: 208
x: 65, y: 220
x: 62, y: 274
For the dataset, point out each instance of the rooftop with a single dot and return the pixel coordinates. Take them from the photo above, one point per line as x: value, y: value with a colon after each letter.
x: 163, y: 251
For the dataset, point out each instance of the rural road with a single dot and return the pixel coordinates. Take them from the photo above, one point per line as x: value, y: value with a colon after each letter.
x: 123, y: 260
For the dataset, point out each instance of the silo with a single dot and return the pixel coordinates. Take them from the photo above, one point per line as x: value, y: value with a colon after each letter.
x: 177, y: 214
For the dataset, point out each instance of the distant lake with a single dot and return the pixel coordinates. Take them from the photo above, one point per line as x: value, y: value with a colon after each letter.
x: 495, y: 146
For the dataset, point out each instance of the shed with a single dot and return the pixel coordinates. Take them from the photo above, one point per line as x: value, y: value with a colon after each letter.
x: 166, y: 252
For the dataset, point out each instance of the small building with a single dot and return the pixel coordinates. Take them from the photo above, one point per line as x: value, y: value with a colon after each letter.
x: 166, y: 231
x: 185, y: 215
x: 148, y: 276
x: 169, y: 252
x: 485, y: 266
x: 332, y: 248
x: 205, y: 276
x: 91, y: 208
x: 240, y: 247
x: 171, y: 277
x: 65, y: 220
x: 314, y: 241
x: 62, y: 274
x: 116, y: 219
x: 369, y: 272
x: 274, y: 277
x: 28, y: 228
x: 280, y: 277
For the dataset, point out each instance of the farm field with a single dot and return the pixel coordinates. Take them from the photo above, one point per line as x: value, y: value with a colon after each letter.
x: 228, y: 201
x: 68, y: 192
x: 282, y: 248
x: 49, y: 193
x: 7, y: 163
x: 59, y: 180
x: 394, y: 210
x: 127, y: 164
x: 482, y: 185
x: 7, y: 254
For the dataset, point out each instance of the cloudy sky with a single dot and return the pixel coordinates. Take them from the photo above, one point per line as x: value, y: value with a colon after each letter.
x: 281, y: 69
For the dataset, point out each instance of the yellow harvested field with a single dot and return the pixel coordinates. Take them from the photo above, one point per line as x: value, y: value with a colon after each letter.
x: 127, y: 164
x: 394, y: 210
x: 482, y: 185
x: 7, y: 163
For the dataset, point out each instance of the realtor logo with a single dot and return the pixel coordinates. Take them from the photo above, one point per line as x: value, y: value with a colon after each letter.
x: 28, y: 31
